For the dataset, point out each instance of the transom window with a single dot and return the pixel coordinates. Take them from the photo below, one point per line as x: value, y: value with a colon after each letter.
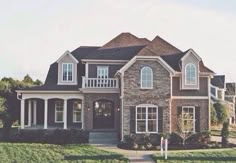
x: 146, y: 119
x: 67, y: 71
x: 188, y: 118
x: 77, y: 111
x: 59, y: 109
x: 190, y: 74
x: 102, y: 72
x: 146, y: 78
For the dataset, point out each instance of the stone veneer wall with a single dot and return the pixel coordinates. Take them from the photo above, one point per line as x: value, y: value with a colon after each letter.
x: 204, y: 112
x: 134, y: 95
x: 90, y: 98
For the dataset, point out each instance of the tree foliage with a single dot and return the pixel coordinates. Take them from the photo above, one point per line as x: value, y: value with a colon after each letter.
x: 221, y: 112
x: 9, y: 105
x: 214, y: 119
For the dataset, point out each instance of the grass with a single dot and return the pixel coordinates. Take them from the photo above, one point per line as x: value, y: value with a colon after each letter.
x: 197, y: 156
x: 23, y: 152
x: 232, y: 134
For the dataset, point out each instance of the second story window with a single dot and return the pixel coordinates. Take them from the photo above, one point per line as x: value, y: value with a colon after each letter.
x: 190, y: 74
x: 67, y: 71
x: 146, y: 78
x: 102, y: 72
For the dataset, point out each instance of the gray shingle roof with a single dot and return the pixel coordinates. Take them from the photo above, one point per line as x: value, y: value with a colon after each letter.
x: 218, y: 81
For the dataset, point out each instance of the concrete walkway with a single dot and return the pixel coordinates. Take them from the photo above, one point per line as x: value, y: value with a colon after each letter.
x: 133, y: 156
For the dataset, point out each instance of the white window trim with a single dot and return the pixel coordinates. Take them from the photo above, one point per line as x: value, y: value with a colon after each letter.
x: 185, y: 71
x: 194, y: 118
x: 141, y: 83
x: 56, y: 121
x: 74, y: 111
x: 146, y: 118
x: 72, y: 71
x: 103, y: 67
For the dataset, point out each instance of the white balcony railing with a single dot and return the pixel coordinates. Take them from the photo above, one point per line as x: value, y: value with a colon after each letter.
x: 99, y: 82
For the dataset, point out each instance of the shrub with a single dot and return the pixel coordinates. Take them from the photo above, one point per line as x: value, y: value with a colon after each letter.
x: 175, y: 139
x: 225, y: 135
x: 214, y: 119
x: 58, y: 136
x: 221, y: 112
x: 130, y: 140
x: 199, y: 139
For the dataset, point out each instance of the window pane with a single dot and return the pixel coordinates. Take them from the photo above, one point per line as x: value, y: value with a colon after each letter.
x: 152, y: 125
x: 59, y: 116
x: 141, y: 126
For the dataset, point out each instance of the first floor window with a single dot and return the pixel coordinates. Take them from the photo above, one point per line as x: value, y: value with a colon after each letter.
x: 77, y: 107
x: 146, y: 119
x: 188, y: 119
x: 59, y: 108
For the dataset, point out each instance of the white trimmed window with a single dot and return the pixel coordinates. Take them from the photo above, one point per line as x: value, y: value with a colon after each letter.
x: 146, y: 119
x: 77, y: 107
x: 146, y: 78
x: 190, y: 74
x: 67, y: 71
x: 188, y: 118
x: 59, y: 109
x: 102, y: 72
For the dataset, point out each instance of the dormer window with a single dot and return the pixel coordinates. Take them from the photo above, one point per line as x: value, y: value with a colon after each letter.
x: 146, y: 78
x: 190, y: 74
x: 67, y: 69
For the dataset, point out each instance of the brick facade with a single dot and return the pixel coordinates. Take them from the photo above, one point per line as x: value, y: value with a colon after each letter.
x: 203, y: 105
x: 134, y: 95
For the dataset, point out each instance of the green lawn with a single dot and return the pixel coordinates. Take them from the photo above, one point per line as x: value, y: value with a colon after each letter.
x: 23, y: 152
x: 211, y: 155
x: 232, y: 134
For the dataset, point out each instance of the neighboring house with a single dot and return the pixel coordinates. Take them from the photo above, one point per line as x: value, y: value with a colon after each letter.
x: 218, y: 91
x: 230, y: 94
x: 129, y: 85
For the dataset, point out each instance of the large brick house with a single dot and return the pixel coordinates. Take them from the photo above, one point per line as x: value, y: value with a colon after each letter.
x: 129, y: 85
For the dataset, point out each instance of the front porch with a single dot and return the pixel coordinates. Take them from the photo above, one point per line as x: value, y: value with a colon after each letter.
x: 51, y: 110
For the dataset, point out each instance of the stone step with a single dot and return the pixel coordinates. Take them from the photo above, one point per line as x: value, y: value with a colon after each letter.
x: 103, y: 137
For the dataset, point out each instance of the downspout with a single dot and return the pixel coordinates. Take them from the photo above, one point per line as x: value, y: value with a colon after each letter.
x: 122, y: 105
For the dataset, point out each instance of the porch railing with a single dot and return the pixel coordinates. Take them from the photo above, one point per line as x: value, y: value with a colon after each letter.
x: 99, y: 82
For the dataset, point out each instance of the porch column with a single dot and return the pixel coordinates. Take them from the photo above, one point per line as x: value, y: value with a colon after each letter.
x: 35, y: 112
x: 22, y: 114
x: 65, y: 114
x: 45, y: 114
x: 29, y: 113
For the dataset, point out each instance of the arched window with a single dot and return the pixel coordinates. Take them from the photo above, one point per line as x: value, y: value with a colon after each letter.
x: 190, y: 74
x: 146, y: 78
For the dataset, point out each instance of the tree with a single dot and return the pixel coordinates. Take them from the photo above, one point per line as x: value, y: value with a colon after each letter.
x: 221, y: 112
x: 225, y: 134
x: 214, y: 119
x: 185, y: 127
x: 28, y: 79
x: 37, y: 82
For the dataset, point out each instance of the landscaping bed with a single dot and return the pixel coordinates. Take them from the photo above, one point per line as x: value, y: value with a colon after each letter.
x: 213, y: 155
x: 25, y: 152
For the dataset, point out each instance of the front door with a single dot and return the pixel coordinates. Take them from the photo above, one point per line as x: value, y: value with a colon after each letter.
x: 103, y: 114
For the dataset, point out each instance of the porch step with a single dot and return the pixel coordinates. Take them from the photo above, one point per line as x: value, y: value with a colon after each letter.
x: 103, y: 137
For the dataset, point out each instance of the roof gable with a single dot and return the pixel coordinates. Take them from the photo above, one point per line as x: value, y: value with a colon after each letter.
x: 67, y: 53
x: 125, y: 40
x: 191, y: 52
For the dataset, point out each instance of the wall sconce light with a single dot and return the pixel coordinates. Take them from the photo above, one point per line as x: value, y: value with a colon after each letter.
x: 88, y: 108
x: 118, y: 109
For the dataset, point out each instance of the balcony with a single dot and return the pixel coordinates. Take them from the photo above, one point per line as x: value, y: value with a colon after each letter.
x: 100, y: 83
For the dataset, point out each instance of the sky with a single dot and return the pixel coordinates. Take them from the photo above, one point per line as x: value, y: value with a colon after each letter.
x: 34, y: 34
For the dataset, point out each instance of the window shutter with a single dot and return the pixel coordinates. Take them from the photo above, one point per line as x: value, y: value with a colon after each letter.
x: 160, y: 120
x: 132, y: 119
x: 197, y: 119
x: 179, y: 111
